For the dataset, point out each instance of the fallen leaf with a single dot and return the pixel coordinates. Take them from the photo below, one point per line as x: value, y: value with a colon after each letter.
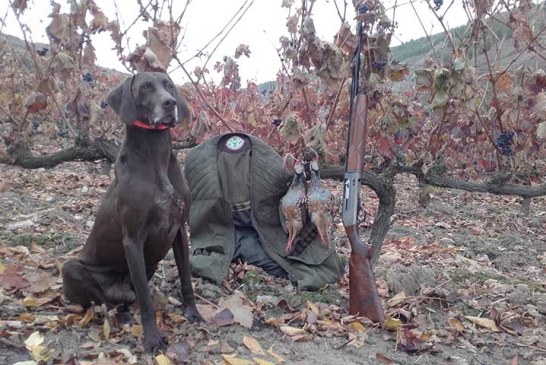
x: 26, y: 317
x: 303, y: 337
x: 384, y: 359
x: 12, y: 277
x: 30, y: 302
x: 162, y: 360
x: 131, y: 359
x: 356, y: 340
x: 292, y: 331
x: 50, y: 321
x: 283, y: 304
x: 223, y: 317
x: 89, y: 315
x: 237, y: 303
x: 89, y: 345
x: 34, y: 339
x: 260, y: 361
x: 38, y: 351
x: 310, y: 317
x: 313, y: 307
x: 211, y: 347
x: 5, y: 186
x: 74, y: 308
x: 253, y: 345
x: 207, y: 311
x: 411, y: 342
x: 456, y: 324
x: 357, y: 326
x: 106, y: 328
x: 15, y: 324
x: 397, y: 299
x: 178, y: 352
x: 36, y: 301
x: 392, y: 324
x: 425, y: 336
x: 324, y: 322
x: 514, y: 360
x: 37, y: 248
x: 484, y: 322
x: 225, y: 348
x: 137, y: 330
x: 40, y: 281
x: 276, y: 356
x: 232, y: 360
x: 177, y: 318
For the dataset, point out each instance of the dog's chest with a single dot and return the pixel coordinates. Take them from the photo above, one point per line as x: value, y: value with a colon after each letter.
x: 165, y: 220
x: 167, y: 209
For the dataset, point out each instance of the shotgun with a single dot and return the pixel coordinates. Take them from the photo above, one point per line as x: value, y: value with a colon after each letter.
x: 363, y: 295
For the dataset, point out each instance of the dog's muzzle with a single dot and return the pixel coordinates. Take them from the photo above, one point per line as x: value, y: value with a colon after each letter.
x: 166, y: 113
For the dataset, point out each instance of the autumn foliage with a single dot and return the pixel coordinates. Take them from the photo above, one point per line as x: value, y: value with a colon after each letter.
x: 455, y: 110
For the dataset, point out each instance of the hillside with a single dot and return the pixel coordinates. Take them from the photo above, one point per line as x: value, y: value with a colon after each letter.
x: 500, y: 44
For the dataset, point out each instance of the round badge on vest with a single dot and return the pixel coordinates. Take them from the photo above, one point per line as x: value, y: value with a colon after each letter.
x: 235, y: 143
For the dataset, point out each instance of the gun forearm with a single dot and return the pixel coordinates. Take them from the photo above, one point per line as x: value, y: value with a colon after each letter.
x: 357, y: 134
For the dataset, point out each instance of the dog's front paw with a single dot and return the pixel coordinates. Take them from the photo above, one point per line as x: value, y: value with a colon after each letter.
x: 154, y: 343
x: 191, y: 314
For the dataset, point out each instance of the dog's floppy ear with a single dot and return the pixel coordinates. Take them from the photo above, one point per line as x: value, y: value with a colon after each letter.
x: 122, y: 101
x: 184, y: 110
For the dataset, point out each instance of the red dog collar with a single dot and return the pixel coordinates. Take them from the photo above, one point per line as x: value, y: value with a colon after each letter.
x: 159, y: 127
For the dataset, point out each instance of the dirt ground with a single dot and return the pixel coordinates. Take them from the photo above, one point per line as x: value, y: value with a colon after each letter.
x: 463, y: 282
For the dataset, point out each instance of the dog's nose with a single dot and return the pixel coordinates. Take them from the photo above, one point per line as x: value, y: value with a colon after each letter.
x: 169, y: 103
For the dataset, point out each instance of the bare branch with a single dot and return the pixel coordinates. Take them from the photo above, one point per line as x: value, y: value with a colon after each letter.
x: 202, y: 49
x: 423, y: 27
x: 203, y: 97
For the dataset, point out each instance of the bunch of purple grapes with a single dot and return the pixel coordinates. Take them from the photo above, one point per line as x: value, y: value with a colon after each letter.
x: 87, y: 77
x: 504, y: 143
x: 42, y: 51
x: 378, y: 64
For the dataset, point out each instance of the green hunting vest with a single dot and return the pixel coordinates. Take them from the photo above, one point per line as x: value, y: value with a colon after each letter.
x: 211, y: 222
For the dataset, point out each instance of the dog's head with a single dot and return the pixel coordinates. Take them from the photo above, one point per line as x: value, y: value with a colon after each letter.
x: 151, y: 98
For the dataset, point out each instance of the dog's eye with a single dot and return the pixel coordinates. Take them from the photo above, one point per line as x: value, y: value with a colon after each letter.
x: 169, y: 86
x: 146, y: 87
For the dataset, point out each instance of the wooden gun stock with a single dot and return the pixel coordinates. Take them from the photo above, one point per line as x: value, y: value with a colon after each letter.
x: 363, y: 295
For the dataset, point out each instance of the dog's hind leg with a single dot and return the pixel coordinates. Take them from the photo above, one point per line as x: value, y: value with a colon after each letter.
x: 182, y: 257
x: 79, y: 285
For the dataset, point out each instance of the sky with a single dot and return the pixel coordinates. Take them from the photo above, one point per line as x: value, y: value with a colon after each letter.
x: 260, y: 28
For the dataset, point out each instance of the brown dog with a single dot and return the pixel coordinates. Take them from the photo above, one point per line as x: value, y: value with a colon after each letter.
x: 144, y: 211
